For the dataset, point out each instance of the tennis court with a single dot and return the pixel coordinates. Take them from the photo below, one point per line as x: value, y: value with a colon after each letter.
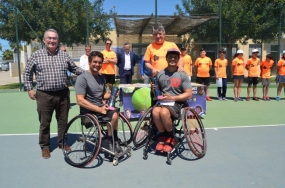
x: 245, y: 149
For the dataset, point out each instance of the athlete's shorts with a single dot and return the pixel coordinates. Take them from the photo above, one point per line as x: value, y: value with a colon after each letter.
x: 266, y: 81
x: 203, y: 80
x: 238, y: 77
x: 110, y: 78
x: 280, y: 79
x: 174, y: 110
x: 252, y: 80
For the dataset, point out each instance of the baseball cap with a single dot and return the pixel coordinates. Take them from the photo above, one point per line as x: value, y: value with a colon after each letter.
x: 173, y: 51
x: 255, y: 51
x: 240, y: 52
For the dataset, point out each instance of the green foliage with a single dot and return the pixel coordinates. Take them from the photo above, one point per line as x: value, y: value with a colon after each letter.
x: 241, y: 20
x: 7, y: 55
x: 68, y: 17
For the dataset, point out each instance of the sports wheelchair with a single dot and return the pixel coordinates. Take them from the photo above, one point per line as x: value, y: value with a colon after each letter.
x: 84, y: 134
x: 187, y: 125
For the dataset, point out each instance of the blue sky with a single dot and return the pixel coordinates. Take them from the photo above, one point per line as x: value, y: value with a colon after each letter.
x: 131, y: 7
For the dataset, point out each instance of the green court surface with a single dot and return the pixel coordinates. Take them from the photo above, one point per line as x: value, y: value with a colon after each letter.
x: 19, y: 115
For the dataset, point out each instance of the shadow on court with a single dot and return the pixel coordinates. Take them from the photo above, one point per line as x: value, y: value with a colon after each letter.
x: 236, y: 157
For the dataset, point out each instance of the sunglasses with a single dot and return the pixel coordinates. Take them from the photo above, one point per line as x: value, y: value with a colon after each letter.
x: 108, y: 43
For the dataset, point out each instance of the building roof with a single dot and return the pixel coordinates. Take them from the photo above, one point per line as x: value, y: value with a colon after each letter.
x: 142, y: 24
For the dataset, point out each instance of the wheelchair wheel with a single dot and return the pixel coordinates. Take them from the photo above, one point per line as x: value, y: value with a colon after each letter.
x: 125, y: 130
x: 83, y: 135
x: 194, y: 132
x: 142, y: 128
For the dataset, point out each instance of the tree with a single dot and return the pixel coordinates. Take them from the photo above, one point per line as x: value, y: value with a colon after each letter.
x: 7, y: 55
x: 241, y: 19
x: 68, y: 17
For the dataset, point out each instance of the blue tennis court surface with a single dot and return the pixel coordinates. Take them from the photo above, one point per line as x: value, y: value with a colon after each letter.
x: 236, y: 157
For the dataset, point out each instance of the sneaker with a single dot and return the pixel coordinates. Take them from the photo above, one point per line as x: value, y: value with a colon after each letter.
x: 268, y: 98
x: 277, y: 98
x: 264, y: 98
x: 247, y: 98
x: 108, y: 145
x: 240, y: 99
x: 170, y: 142
x: 118, y: 148
x: 208, y: 98
x: 220, y: 98
x: 66, y: 147
x: 255, y: 98
x: 236, y: 99
x: 224, y: 98
x: 45, y: 153
x: 160, y: 144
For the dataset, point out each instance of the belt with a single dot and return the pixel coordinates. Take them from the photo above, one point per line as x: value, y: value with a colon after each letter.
x: 55, y: 91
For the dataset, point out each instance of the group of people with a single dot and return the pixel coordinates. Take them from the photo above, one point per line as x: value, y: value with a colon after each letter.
x: 163, y: 59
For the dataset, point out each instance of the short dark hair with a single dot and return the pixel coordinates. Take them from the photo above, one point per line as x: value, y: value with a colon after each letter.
x: 270, y: 56
x: 95, y: 54
x: 108, y: 40
x: 222, y: 51
x: 202, y: 49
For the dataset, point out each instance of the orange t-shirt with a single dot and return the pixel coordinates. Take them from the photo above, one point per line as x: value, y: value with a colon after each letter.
x: 265, y: 67
x: 187, y: 64
x: 221, y: 65
x: 156, y: 54
x: 253, y: 67
x: 203, y: 66
x: 238, y: 66
x: 281, y: 66
x: 108, y: 68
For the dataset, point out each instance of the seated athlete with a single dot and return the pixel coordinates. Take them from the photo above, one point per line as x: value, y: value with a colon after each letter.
x: 176, y: 88
x: 90, y: 89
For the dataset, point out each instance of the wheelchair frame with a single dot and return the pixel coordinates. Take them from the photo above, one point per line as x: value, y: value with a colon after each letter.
x: 145, y: 133
x: 88, y: 139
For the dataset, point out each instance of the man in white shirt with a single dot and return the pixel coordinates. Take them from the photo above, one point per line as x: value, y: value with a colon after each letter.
x: 84, y: 59
x: 126, y: 63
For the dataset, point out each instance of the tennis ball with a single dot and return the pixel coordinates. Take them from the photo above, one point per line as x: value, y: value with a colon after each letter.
x: 141, y: 99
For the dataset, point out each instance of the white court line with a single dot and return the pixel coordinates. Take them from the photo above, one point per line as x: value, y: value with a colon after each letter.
x: 215, y: 128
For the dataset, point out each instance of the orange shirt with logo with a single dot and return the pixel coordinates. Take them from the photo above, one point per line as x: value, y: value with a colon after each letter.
x: 221, y: 65
x: 108, y: 68
x: 238, y: 66
x: 187, y: 64
x: 253, y: 67
x: 265, y: 67
x: 156, y: 54
x: 203, y: 66
x: 281, y: 67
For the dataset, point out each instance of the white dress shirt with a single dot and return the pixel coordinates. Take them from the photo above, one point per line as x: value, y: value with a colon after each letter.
x: 127, y: 62
x: 84, y: 62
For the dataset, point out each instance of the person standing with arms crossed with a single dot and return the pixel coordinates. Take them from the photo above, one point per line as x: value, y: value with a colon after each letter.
x: 108, y: 67
x: 221, y: 73
x: 126, y: 63
x: 280, y: 75
x: 265, y: 73
x: 187, y: 62
x: 203, y: 65
x: 252, y: 66
x: 84, y: 58
x: 155, y: 54
x: 238, y: 74
x: 50, y: 66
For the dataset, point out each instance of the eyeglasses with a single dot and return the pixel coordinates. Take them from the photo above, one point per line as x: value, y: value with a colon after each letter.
x: 51, y: 38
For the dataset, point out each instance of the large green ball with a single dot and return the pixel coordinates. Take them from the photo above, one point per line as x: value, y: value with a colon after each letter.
x: 141, y: 99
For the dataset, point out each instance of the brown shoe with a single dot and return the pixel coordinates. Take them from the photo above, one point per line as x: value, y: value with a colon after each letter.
x: 45, y: 153
x: 67, y: 147
x: 248, y: 99
x: 255, y: 98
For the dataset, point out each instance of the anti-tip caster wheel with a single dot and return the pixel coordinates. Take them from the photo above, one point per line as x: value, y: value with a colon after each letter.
x: 169, y: 162
x: 115, y: 162
x: 129, y: 154
x: 145, y: 157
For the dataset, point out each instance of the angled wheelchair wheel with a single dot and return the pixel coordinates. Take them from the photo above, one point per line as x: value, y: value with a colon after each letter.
x: 83, y: 135
x: 125, y: 130
x: 142, y: 128
x: 194, y: 132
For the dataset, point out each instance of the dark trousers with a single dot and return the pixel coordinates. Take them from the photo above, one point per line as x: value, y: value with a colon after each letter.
x: 222, y: 91
x: 125, y: 78
x: 47, y: 102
